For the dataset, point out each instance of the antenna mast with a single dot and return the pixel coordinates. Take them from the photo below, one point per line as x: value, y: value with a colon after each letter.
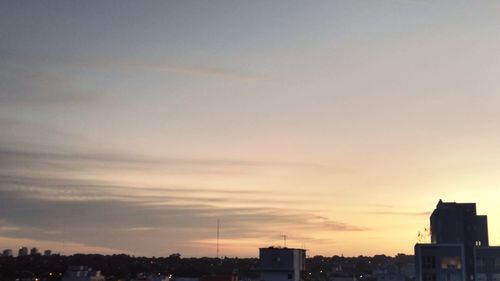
x: 284, y: 239
x: 218, y: 226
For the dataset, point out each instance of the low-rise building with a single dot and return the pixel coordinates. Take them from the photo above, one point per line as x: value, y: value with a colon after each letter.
x: 487, y: 263
x: 150, y: 277
x: 186, y: 279
x: 388, y: 272
x: 82, y: 273
x: 282, y: 264
x: 439, y: 262
x: 408, y: 271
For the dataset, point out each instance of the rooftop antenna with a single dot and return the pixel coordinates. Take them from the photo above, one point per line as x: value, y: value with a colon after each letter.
x: 218, y: 226
x: 284, y: 239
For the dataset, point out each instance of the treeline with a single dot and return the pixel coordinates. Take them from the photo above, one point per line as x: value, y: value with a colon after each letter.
x: 116, y: 267
x: 124, y: 267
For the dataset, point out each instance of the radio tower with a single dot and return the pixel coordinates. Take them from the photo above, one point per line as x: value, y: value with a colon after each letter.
x: 218, y: 225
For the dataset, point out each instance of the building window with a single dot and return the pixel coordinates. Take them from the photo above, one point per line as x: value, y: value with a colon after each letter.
x: 481, y: 277
x: 481, y: 264
x: 429, y: 262
x: 450, y: 262
x: 497, y: 264
x: 276, y: 259
x: 429, y: 277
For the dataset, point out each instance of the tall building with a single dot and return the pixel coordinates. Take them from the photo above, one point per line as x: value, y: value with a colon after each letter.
x: 453, y: 222
x: 458, y: 223
x: 459, y: 248
x: 23, y: 251
x: 282, y: 264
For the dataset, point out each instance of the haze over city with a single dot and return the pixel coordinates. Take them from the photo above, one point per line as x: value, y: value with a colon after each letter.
x: 131, y: 126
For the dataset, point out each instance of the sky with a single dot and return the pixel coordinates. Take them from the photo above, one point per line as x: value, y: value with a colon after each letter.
x: 133, y: 126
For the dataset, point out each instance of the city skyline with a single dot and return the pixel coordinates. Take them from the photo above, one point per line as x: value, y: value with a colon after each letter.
x: 130, y: 127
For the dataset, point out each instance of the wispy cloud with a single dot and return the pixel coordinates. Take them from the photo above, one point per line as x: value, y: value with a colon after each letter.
x: 19, y: 65
x: 23, y: 83
x: 79, y: 220
x: 397, y: 213
x: 19, y: 157
x: 215, y: 72
x: 36, y: 192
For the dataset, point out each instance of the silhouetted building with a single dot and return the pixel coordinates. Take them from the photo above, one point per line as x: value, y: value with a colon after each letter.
x: 457, y: 226
x: 186, y: 279
x: 388, y: 272
x: 342, y: 278
x: 458, y: 223
x: 232, y: 277
x: 151, y: 277
x: 7, y: 253
x: 23, y: 251
x: 435, y: 262
x: 82, y: 273
x: 47, y: 253
x: 34, y: 251
x: 408, y: 270
x: 282, y: 264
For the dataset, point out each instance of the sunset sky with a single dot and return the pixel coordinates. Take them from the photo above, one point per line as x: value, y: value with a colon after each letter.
x: 132, y: 126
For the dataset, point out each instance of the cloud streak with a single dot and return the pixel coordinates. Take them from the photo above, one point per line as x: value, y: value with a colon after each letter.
x: 78, y: 220
x: 11, y: 156
x: 24, y: 83
x: 18, y: 62
x: 220, y: 73
x: 396, y: 213
x: 40, y: 201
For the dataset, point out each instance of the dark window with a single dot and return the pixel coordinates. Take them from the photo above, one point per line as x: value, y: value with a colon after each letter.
x: 289, y: 276
x: 429, y: 277
x: 496, y: 264
x: 481, y: 264
x: 429, y: 262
